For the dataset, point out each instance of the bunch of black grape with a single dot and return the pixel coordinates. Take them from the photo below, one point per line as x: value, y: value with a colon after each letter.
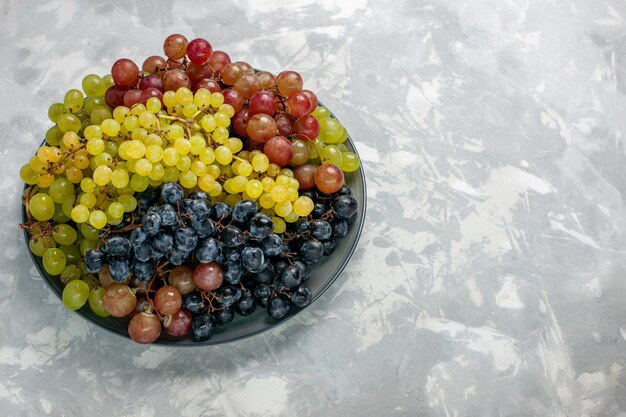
x: 238, y: 262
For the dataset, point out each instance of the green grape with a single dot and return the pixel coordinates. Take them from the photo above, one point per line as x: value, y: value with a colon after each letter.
x: 73, y: 100
x: 69, y: 122
x: 28, y: 175
x: 91, y: 103
x: 350, y: 162
x: 86, y: 245
x: 128, y: 202
x: 41, y: 206
x: 98, y: 219
x: 93, y: 85
x: 59, y: 215
x: 100, y: 114
x: 139, y: 183
x: 321, y: 113
x: 75, y: 294
x: 331, y: 154
x: 54, y: 261
x: 72, y: 254
x: 55, y: 110
x: 93, y: 132
x: 64, y: 234
x: 89, y: 232
x: 96, y: 301
x: 331, y: 131
x: 60, y: 189
x: 54, y: 135
x: 71, y: 272
x: 108, y: 81
x: 38, y: 244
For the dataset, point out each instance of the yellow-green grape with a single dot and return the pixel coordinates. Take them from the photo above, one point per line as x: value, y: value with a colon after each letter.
x: 115, y: 210
x: 260, y: 162
x: 273, y: 170
x: 197, y: 143
x: 206, y: 182
x: 213, y: 170
x: 226, y: 171
x: 217, y: 189
x: 54, y: 135
x: 198, y: 167
x: 59, y: 216
x: 103, y: 159
x: 54, y: 261
x: 286, y: 172
x: 154, y: 153
x: 228, y: 186
x: 207, y: 155
x: 267, y: 183
x: 98, y: 219
x: 69, y: 122
x: 99, y: 114
x: 266, y: 201
x: 221, y: 119
x: 239, y: 183
x: 292, y: 194
x: 137, y: 109
x: 321, y: 113
x: 55, y: 110
x: 135, y: 149
x: 96, y: 301
x: 110, y: 127
x: 184, y: 96
x: 182, y: 146
x: 139, y: 134
x: 153, y: 139
x: 80, y: 213
x: 245, y: 155
x: 143, y: 167
x: 28, y: 175
x: 279, y: 193
x: 350, y: 162
x: 188, y: 179
x: 227, y: 109
x: 43, y: 154
x: 86, y: 245
x: 91, y: 103
x: 120, y: 113
x: 67, y: 205
x: 73, y: 100
x: 75, y: 294
x: 102, y: 175
x: 60, y: 189
x: 283, y: 209
x: 291, y: 217
x: 128, y: 202
x: 139, y: 183
x: 71, y: 140
x: 245, y: 168
x: 303, y: 206
x: 93, y: 85
x: 331, y: 131
x: 208, y: 123
x: 184, y: 163
x: 332, y: 155
x: 89, y: 232
x: 189, y: 110
x: 279, y: 225
x: 202, y: 98
x: 175, y: 131
x: 171, y: 174
x: 81, y: 159
x: 254, y: 188
x: 293, y: 183
x: 64, y: 234
x: 220, y: 135
x: 119, y: 178
x: 223, y: 155
x: 217, y: 99
x: 37, y: 166
x: 130, y: 165
x: 232, y: 199
x: 41, y: 207
x: 122, y: 150
x: 131, y: 122
x: 153, y: 105
x: 88, y: 200
x: 234, y: 144
x: 108, y: 81
x: 342, y: 147
x: 45, y: 180
x: 148, y: 120
x: 282, y: 180
x: 74, y: 174
x: 157, y: 172
x: 169, y: 98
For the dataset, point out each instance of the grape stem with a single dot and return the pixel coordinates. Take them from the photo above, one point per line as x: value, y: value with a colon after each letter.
x: 59, y: 163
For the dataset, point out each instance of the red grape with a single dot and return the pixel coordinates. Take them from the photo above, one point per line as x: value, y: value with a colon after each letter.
x: 104, y: 276
x: 305, y: 174
x: 312, y: 97
x: 261, y: 127
x: 181, y: 278
x: 143, y: 304
x: 240, y: 120
x: 231, y: 73
x: 125, y: 72
x: 328, y: 178
x: 233, y: 98
x: 175, y: 46
x: 174, y: 79
x: 167, y: 300
x: 284, y: 122
x: 119, y: 300
x: 151, y: 92
x: 197, y: 72
x: 211, y: 85
x: 262, y: 102
x: 289, y: 82
x: 144, y: 328
x: 174, y: 63
x: 219, y: 60
x: 151, y: 80
x: 307, y: 126
x: 154, y: 65
x: 132, y: 97
x: 247, y: 85
x: 178, y: 324
x: 266, y: 79
x: 247, y: 68
x: 279, y: 150
x: 299, y: 104
x: 114, y: 96
x: 199, y: 51
x: 208, y: 276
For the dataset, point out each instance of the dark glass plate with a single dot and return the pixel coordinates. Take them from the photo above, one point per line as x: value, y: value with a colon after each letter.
x: 322, y: 276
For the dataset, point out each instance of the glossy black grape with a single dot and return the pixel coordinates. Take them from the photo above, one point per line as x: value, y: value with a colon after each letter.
x: 95, y: 260
x: 278, y: 307
x: 171, y: 192
x: 202, y: 327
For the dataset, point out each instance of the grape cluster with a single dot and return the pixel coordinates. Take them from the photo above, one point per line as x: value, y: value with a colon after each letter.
x: 138, y: 163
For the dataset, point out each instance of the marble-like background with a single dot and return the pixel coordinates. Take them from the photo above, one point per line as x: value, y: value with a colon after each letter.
x: 491, y: 276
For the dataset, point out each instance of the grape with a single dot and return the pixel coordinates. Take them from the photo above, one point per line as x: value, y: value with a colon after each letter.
x: 261, y: 128
x: 73, y: 100
x: 119, y: 300
x: 144, y: 328
x: 55, y: 110
x: 60, y: 189
x: 203, y: 327
x: 41, y: 206
x: 125, y: 72
x: 132, y: 97
x: 307, y: 126
x: 284, y: 123
x: 114, y: 96
x: 181, y: 278
x: 312, y: 98
x: 152, y: 80
x: 208, y: 276
x: 262, y: 102
x: 331, y: 131
x: 303, y: 206
x: 350, y: 162
x: 69, y: 122
x: 247, y: 68
x: 98, y: 115
x: 199, y: 51
x: 266, y: 79
x: 179, y: 323
x: 218, y: 60
x: 175, y: 46
x: 288, y: 83
x: 154, y: 64
x: 209, y: 84
x: 231, y: 73
x: 96, y: 301
x: 279, y: 150
x: 70, y: 272
x: 175, y: 79
x: 75, y: 294
x: 234, y: 98
x: 278, y: 307
x: 301, y: 153
x: 54, y: 261
x: 247, y: 85
x: 38, y: 244
x: 305, y: 174
x: 299, y: 104
x: 332, y: 155
x: 328, y: 178
x: 168, y: 300
x: 64, y: 234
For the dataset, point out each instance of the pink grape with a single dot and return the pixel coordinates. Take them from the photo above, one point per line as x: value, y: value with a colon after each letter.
x: 168, y: 300
x: 144, y: 328
x: 261, y: 128
x: 197, y: 72
x: 232, y: 97
x: 208, y: 276
x: 289, y: 82
x: 175, y: 46
x: 328, y: 178
x: 299, y: 104
x: 211, y: 85
x: 219, y: 60
x: 240, y: 121
x: 153, y: 81
x: 178, y: 324
x: 279, y: 150
x: 307, y: 126
x: 284, y: 123
x: 125, y: 72
x: 262, y: 102
x: 174, y: 79
x: 199, y: 51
